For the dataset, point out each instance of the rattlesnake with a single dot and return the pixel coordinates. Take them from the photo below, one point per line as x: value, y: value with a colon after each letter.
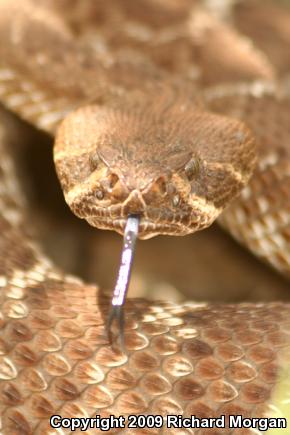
x: 149, y: 73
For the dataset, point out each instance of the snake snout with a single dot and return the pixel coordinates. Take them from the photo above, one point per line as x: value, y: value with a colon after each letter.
x: 134, y: 204
x: 124, y: 191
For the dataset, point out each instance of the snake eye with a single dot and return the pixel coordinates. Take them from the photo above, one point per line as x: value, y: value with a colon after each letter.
x: 192, y: 168
x: 176, y: 200
x: 100, y: 194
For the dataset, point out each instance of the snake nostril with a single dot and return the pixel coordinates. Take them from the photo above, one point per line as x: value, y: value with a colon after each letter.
x: 161, y: 186
x: 116, y: 188
x: 113, y: 180
x: 109, y: 182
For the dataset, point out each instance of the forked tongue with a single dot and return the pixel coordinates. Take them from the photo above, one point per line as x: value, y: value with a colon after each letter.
x: 122, y: 284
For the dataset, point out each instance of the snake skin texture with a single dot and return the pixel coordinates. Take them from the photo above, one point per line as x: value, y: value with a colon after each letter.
x: 190, y: 359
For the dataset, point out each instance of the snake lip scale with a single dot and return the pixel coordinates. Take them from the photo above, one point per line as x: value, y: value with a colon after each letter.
x: 148, y: 228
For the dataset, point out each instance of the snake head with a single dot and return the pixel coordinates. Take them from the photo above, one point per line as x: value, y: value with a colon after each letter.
x: 172, y: 163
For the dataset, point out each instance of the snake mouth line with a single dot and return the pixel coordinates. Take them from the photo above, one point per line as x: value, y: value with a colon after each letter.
x: 147, y: 228
x: 153, y: 221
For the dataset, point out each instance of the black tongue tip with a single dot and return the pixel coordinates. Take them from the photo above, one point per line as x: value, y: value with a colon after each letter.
x: 116, y: 315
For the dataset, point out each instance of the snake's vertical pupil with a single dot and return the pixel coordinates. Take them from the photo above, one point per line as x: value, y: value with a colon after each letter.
x: 121, y: 287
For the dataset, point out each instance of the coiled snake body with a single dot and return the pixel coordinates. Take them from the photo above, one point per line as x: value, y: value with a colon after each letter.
x: 158, y: 93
